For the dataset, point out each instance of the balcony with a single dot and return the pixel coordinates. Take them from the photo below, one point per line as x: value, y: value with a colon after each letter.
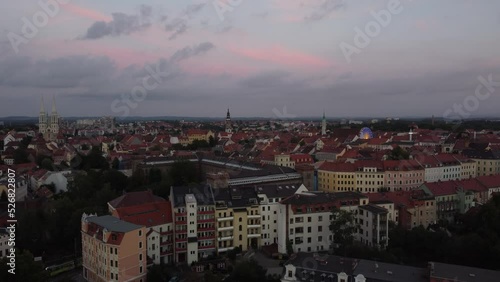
x: 181, y: 239
x: 210, y: 228
x: 225, y: 218
x: 225, y: 249
x: 253, y: 226
x: 227, y: 238
x: 165, y: 243
x: 226, y: 228
x: 180, y: 214
x: 181, y: 231
x: 206, y: 237
x: 167, y: 232
x: 206, y: 220
x: 253, y: 235
x: 206, y: 212
x: 182, y: 222
x: 168, y: 252
x: 255, y: 216
x: 206, y: 247
x: 180, y: 250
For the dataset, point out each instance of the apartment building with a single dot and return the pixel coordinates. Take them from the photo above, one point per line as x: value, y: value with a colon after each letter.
x: 269, y: 200
x: 328, y: 268
x: 304, y: 220
x: 193, y: 211
x: 113, y: 249
x: 487, y: 160
x: 408, y: 209
x: 403, y: 175
x: 238, y: 219
x: 369, y: 176
x: 144, y: 208
x: 373, y: 224
x: 337, y: 177
x: 451, y: 199
x: 442, y: 167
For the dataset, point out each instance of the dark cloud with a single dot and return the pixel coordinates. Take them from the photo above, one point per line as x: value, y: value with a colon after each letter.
x: 265, y: 79
x: 55, y: 73
x: 192, y: 9
x: 188, y: 52
x: 122, y: 24
x: 180, y: 24
x: 177, y: 26
x: 325, y: 9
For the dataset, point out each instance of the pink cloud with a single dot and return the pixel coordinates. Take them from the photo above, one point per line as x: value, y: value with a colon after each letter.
x: 425, y: 24
x: 86, y: 13
x: 280, y: 55
x: 210, y: 69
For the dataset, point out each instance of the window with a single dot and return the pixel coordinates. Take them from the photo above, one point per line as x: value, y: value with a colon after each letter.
x: 309, y: 219
x: 140, y: 269
x: 140, y: 245
x: 241, y: 237
x: 240, y: 228
x: 140, y: 256
x: 320, y: 218
x: 320, y: 228
x: 140, y: 232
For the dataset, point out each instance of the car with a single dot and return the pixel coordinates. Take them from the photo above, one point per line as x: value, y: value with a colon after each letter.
x: 174, y: 279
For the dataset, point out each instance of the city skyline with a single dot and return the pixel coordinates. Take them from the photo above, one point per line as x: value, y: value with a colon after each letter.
x: 257, y: 59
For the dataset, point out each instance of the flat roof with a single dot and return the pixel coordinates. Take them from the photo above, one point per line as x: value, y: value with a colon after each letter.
x: 112, y: 223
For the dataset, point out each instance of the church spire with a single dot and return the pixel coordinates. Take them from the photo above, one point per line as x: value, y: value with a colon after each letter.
x: 228, y: 116
x: 42, y: 106
x: 54, y: 105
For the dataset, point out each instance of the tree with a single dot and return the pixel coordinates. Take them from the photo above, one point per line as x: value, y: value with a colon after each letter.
x: 154, y: 175
x: 247, y: 271
x: 211, y: 141
x: 158, y: 272
x: 3, y: 197
x: 399, y: 153
x: 20, y: 156
x: 47, y: 164
x: 27, y: 269
x: 343, y: 227
x: 289, y: 247
x: 183, y: 173
x: 115, y: 164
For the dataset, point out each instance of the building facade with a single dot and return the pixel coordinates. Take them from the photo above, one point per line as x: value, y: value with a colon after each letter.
x: 112, y: 249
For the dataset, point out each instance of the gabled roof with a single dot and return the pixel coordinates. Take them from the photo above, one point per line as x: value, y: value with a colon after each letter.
x: 135, y: 199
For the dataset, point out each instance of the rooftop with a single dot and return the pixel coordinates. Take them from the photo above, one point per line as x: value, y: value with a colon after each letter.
x: 112, y: 223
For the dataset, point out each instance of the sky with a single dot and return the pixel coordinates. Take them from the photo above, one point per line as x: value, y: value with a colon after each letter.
x: 260, y: 58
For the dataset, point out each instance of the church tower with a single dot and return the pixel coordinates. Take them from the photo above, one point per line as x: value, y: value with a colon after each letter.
x: 323, y: 125
x: 54, y: 121
x: 42, y: 119
x: 48, y: 125
x: 228, y: 126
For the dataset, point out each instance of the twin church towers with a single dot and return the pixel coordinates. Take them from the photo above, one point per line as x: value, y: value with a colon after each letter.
x: 48, y: 124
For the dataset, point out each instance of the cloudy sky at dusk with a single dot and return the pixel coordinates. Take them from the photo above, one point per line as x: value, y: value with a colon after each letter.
x: 253, y: 57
